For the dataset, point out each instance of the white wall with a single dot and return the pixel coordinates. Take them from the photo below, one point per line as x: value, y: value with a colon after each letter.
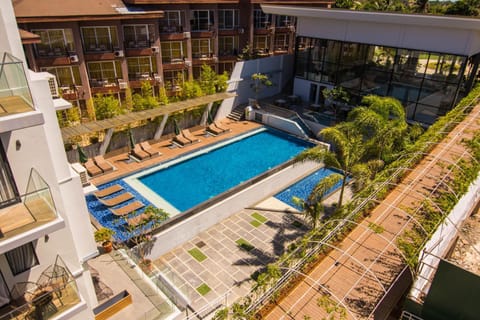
x: 279, y: 68
x: 282, y: 124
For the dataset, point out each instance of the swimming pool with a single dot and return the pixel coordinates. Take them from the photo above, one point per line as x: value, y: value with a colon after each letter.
x: 179, y: 185
x: 304, y: 187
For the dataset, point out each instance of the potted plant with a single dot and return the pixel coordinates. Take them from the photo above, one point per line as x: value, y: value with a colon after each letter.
x: 104, y: 236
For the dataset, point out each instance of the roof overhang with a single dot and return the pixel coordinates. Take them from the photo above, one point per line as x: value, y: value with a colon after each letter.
x: 446, y: 34
x: 29, y: 37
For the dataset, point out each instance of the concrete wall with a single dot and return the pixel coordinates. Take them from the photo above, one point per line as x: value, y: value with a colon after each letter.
x: 278, y: 68
x: 189, y: 228
x: 282, y: 124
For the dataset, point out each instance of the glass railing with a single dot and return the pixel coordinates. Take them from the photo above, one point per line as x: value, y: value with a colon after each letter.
x: 36, y: 208
x: 15, y: 94
x: 54, y: 292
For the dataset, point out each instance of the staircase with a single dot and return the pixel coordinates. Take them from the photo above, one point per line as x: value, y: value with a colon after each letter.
x: 237, y: 114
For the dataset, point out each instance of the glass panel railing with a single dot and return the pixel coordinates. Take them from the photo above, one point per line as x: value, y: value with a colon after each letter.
x: 37, y: 207
x: 15, y: 94
x: 54, y: 292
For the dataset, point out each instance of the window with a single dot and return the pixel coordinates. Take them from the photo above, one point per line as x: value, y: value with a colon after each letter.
x: 141, y: 68
x: 284, y: 21
x: 22, y: 258
x: 225, y: 66
x: 281, y: 42
x: 105, y: 71
x: 8, y: 189
x: 171, y: 21
x: 99, y: 38
x: 261, y: 43
x: 138, y: 35
x: 54, y: 42
x: 172, y: 51
x: 201, y: 48
x: 66, y: 76
x: 227, y: 19
x: 260, y: 19
x: 174, y: 78
x: 202, y: 20
x: 227, y: 46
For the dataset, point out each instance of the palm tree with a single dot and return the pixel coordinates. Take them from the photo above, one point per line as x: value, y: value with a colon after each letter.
x: 312, y: 207
x: 382, y: 123
x: 347, y: 151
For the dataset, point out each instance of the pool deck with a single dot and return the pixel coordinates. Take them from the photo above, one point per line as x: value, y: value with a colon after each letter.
x: 120, y: 159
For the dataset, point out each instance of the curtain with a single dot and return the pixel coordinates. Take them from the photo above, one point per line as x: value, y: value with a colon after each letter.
x: 22, y: 258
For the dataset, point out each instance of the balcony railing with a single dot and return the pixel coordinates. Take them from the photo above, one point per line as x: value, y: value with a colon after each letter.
x: 54, y: 52
x: 54, y: 292
x: 95, y: 48
x: 15, y: 94
x: 35, y: 208
x: 171, y: 29
x: 138, y: 44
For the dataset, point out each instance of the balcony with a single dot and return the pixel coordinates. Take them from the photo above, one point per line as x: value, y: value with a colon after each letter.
x: 69, y: 93
x: 53, y: 293
x: 104, y: 86
x: 33, y: 216
x: 16, y: 105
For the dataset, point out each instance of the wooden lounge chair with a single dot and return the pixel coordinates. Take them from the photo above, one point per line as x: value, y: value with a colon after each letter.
x: 137, y: 220
x: 187, y: 134
x: 117, y: 200
x: 180, y: 140
x: 92, y: 169
x: 212, y: 129
x: 148, y: 149
x: 108, y: 191
x: 219, y: 126
x: 138, y: 153
x: 103, y: 164
x: 129, y: 208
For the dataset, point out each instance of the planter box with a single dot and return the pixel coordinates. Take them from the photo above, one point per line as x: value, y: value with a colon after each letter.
x: 112, y: 305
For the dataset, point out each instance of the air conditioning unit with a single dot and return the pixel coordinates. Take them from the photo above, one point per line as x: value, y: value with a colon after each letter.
x: 188, y: 63
x: 73, y: 58
x: 157, y: 78
x: 118, y: 53
x: 123, y: 84
x: 155, y: 49
x: 187, y: 35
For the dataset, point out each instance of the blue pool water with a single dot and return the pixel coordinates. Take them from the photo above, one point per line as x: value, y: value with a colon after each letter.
x: 302, y: 188
x: 191, y: 182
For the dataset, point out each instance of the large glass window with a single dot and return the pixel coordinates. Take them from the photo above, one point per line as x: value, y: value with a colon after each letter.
x: 261, y: 44
x: 171, y: 21
x: 138, y: 35
x: 104, y: 72
x: 201, y: 48
x: 66, y: 76
x: 54, y: 42
x: 99, y: 38
x: 172, y: 51
x: 281, y: 42
x: 228, y: 46
x: 202, y: 20
x: 141, y: 68
x: 22, y: 258
x: 8, y: 189
x: 174, y: 78
x: 261, y: 19
x: 284, y: 21
x: 227, y: 19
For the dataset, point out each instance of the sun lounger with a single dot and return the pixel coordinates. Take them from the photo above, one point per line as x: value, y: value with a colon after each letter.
x: 140, y: 219
x: 148, y: 149
x: 181, y: 140
x: 108, y: 191
x: 219, y: 126
x: 117, y: 200
x: 138, y: 153
x: 103, y: 164
x: 129, y: 208
x: 212, y: 129
x: 187, y: 134
x: 92, y: 169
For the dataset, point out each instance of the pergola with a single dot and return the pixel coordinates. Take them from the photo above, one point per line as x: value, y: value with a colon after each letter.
x: 132, y: 117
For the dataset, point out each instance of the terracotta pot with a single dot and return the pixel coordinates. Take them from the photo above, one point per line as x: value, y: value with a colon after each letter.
x: 107, y: 246
x: 146, y: 265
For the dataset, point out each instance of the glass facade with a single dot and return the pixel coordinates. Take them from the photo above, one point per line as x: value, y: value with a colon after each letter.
x: 426, y: 83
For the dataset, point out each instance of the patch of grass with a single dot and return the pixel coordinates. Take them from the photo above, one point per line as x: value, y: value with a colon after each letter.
x: 259, y: 217
x: 197, y: 254
x: 244, y: 244
x: 256, y: 223
x: 376, y: 228
x: 203, y: 289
